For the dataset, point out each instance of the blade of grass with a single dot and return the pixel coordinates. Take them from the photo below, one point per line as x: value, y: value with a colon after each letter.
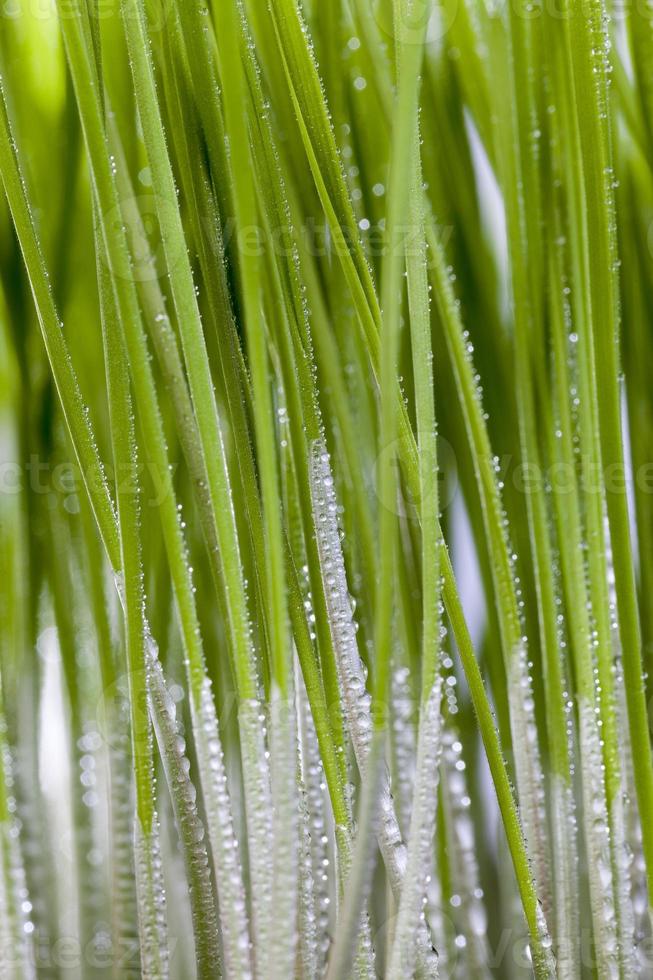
x: 129, y: 581
x: 422, y: 824
x: 590, y: 45
x: 522, y: 184
x: 55, y: 343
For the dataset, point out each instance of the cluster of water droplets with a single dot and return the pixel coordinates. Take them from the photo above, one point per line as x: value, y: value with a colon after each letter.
x: 641, y: 907
x: 123, y: 893
x: 403, y: 735
x: 16, y: 924
x: 564, y: 831
x: 633, y: 851
x: 311, y: 952
x: 422, y: 829
x: 252, y: 721
x: 184, y: 799
x: 32, y: 826
x: 467, y: 905
x: 236, y: 943
x: 597, y: 829
x: 317, y: 896
x: 151, y: 901
x: 622, y: 865
x: 529, y: 770
x: 285, y: 801
x: 622, y: 853
x: 351, y: 672
x: 94, y: 930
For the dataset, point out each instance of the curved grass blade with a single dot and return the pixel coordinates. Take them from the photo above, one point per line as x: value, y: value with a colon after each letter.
x: 422, y: 824
x: 590, y: 48
x: 149, y: 885
x: 283, y: 912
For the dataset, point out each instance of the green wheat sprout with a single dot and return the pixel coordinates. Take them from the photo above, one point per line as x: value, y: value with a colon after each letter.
x: 326, y: 537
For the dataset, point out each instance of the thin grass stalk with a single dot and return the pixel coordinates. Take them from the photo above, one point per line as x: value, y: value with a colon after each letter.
x: 522, y: 184
x: 114, y: 721
x: 543, y: 960
x: 280, y: 956
x: 317, y: 830
x: 422, y: 824
x: 124, y: 908
x: 149, y: 888
x: 570, y: 529
x: 66, y: 616
x: 288, y: 318
x: 595, y: 517
x: 407, y: 97
x: 527, y: 756
x: 590, y: 60
x: 191, y: 828
x: 420, y: 844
